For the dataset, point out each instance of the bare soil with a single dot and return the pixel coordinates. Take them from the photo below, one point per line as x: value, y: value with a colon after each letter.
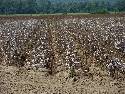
x: 22, y: 81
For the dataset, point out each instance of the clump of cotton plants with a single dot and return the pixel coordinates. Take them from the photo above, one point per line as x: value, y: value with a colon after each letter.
x: 116, y: 66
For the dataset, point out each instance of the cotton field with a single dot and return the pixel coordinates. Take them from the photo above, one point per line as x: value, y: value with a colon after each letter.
x: 66, y: 54
x: 47, y: 42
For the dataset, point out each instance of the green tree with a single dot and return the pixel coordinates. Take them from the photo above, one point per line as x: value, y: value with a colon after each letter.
x: 120, y: 5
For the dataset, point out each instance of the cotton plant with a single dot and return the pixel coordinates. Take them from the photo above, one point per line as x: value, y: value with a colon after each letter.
x: 116, y: 66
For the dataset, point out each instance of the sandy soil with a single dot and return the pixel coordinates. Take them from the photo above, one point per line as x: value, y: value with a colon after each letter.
x: 15, y: 81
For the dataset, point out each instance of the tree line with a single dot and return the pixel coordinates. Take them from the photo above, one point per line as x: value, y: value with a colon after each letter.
x: 46, y: 6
